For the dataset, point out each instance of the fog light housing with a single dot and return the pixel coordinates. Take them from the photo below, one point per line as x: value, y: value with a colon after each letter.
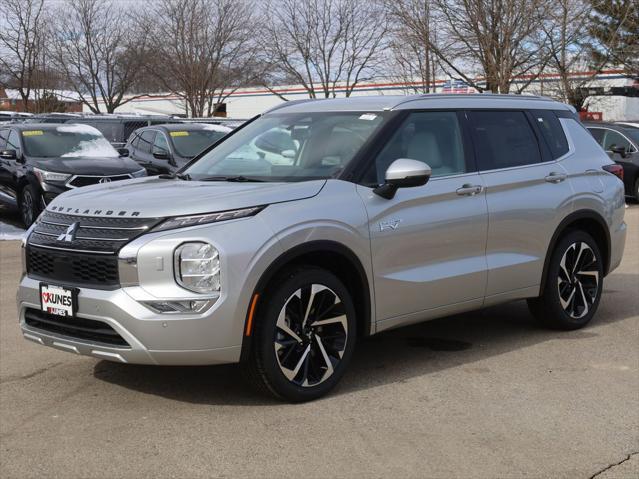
x: 197, y: 267
x: 187, y: 306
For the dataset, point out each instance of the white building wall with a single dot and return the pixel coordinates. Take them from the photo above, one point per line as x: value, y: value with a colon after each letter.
x: 248, y: 102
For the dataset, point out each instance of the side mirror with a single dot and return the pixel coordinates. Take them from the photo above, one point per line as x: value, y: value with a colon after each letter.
x: 123, y: 151
x: 161, y: 155
x: 9, y: 155
x: 620, y: 150
x: 403, y: 173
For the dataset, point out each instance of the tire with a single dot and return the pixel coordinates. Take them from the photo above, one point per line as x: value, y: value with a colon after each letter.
x: 574, y: 283
x: 301, y: 363
x: 30, y: 205
x: 636, y: 191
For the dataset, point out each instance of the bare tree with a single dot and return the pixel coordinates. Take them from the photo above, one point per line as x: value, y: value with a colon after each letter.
x: 202, y: 50
x: 413, y: 60
x: 21, y: 45
x: 494, y: 40
x: 324, y: 44
x: 98, y: 51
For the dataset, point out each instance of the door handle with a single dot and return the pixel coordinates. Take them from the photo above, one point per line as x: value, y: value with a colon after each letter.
x: 470, y: 190
x: 555, y: 177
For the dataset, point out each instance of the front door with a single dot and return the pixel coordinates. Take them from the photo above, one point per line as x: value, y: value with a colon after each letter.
x: 428, y: 243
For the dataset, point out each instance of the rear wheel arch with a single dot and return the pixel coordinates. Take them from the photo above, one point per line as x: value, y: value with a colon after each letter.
x: 329, y: 255
x: 584, y: 220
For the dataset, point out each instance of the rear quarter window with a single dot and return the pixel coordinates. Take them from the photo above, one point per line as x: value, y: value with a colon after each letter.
x: 551, y: 131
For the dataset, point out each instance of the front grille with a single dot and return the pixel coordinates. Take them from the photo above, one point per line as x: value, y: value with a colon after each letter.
x: 100, y: 272
x: 86, y: 256
x: 80, y: 180
x: 76, y: 328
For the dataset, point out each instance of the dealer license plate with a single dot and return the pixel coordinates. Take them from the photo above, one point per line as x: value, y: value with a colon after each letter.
x: 57, y: 300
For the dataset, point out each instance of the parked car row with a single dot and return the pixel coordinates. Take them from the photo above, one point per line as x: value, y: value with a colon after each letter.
x: 621, y: 142
x: 38, y: 161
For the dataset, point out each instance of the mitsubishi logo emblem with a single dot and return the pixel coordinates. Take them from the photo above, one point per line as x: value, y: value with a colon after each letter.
x: 105, y: 180
x: 69, y: 234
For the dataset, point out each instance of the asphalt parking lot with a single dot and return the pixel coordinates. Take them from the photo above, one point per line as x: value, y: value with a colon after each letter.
x: 486, y: 394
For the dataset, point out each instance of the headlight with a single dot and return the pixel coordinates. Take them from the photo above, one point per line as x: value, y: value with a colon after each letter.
x: 44, y: 175
x: 184, y: 221
x: 139, y: 174
x: 197, y: 267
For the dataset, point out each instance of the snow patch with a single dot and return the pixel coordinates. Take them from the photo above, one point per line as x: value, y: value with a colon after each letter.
x: 220, y: 128
x: 10, y: 232
x: 79, y: 128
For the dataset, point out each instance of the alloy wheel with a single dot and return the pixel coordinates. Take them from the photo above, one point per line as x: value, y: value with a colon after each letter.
x: 311, y: 335
x: 578, y: 280
x: 27, y: 207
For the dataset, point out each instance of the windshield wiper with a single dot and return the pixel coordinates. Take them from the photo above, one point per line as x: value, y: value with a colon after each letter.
x: 173, y: 176
x: 236, y: 179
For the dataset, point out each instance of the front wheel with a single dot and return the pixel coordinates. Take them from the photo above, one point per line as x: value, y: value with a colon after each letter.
x: 636, y: 192
x: 304, y: 335
x: 30, y: 205
x: 574, y: 283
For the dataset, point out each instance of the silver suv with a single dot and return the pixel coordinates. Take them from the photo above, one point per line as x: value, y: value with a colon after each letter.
x: 322, y: 221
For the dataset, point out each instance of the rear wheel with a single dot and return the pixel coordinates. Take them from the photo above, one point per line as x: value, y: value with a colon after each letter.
x: 304, y: 338
x: 636, y: 192
x: 574, y: 283
x: 30, y: 205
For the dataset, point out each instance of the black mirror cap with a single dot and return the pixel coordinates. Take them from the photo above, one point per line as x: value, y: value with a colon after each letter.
x: 388, y: 189
x: 162, y: 156
x: 620, y: 150
x: 9, y: 155
x: 123, y: 151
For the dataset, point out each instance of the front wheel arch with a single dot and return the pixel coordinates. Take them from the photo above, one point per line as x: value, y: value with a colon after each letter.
x: 329, y: 255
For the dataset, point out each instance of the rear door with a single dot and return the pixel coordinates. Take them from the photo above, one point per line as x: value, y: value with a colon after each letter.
x: 428, y: 242
x: 526, y: 191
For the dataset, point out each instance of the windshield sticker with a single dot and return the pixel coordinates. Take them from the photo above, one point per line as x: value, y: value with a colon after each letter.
x: 368, y: 116
x: 32, y: 133
x: 179, y: 133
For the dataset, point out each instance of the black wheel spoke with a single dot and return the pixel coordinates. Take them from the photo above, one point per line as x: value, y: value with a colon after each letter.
x: 578, y: 280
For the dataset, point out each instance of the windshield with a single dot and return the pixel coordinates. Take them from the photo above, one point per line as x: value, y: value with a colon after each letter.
x: 290, y: 147
x: 68, y: 141
x: 190, y: 143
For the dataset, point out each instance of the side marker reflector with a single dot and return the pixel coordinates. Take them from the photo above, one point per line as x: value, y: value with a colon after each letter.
x: 249, y: 323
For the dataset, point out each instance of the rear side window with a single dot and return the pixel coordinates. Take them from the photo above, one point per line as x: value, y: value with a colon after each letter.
x: 552, y: 132
x: 597, y: 134
x: 146, y: 140
x: 503, y: 139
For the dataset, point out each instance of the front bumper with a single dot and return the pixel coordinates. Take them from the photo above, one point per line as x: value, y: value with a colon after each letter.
x: 151, y: 338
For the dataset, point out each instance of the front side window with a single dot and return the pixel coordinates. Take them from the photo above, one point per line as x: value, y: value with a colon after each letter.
x: 552, y: 132
x: 3, y: 138
x: 290, y: 147
x: 146, y: 141
x: 433, y: 137
x: 67, y: 141
x: 160, y: 145
x: 503, y: 139
x: 613, y: 139
x: 13, y: 141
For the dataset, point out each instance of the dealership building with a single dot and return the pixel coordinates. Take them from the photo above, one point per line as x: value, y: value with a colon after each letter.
x: 248, y: 102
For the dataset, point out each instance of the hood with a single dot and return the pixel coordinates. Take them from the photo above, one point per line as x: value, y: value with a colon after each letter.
x: 156, y: 197
x: 88, y: 166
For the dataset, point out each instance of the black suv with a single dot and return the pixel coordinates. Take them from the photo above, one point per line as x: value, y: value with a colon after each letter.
x: 40, y: 161
x: 621, y: 142
x: 166, y: 148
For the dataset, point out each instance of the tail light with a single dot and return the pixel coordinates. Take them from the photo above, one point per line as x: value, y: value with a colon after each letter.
x: 615, y: 169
